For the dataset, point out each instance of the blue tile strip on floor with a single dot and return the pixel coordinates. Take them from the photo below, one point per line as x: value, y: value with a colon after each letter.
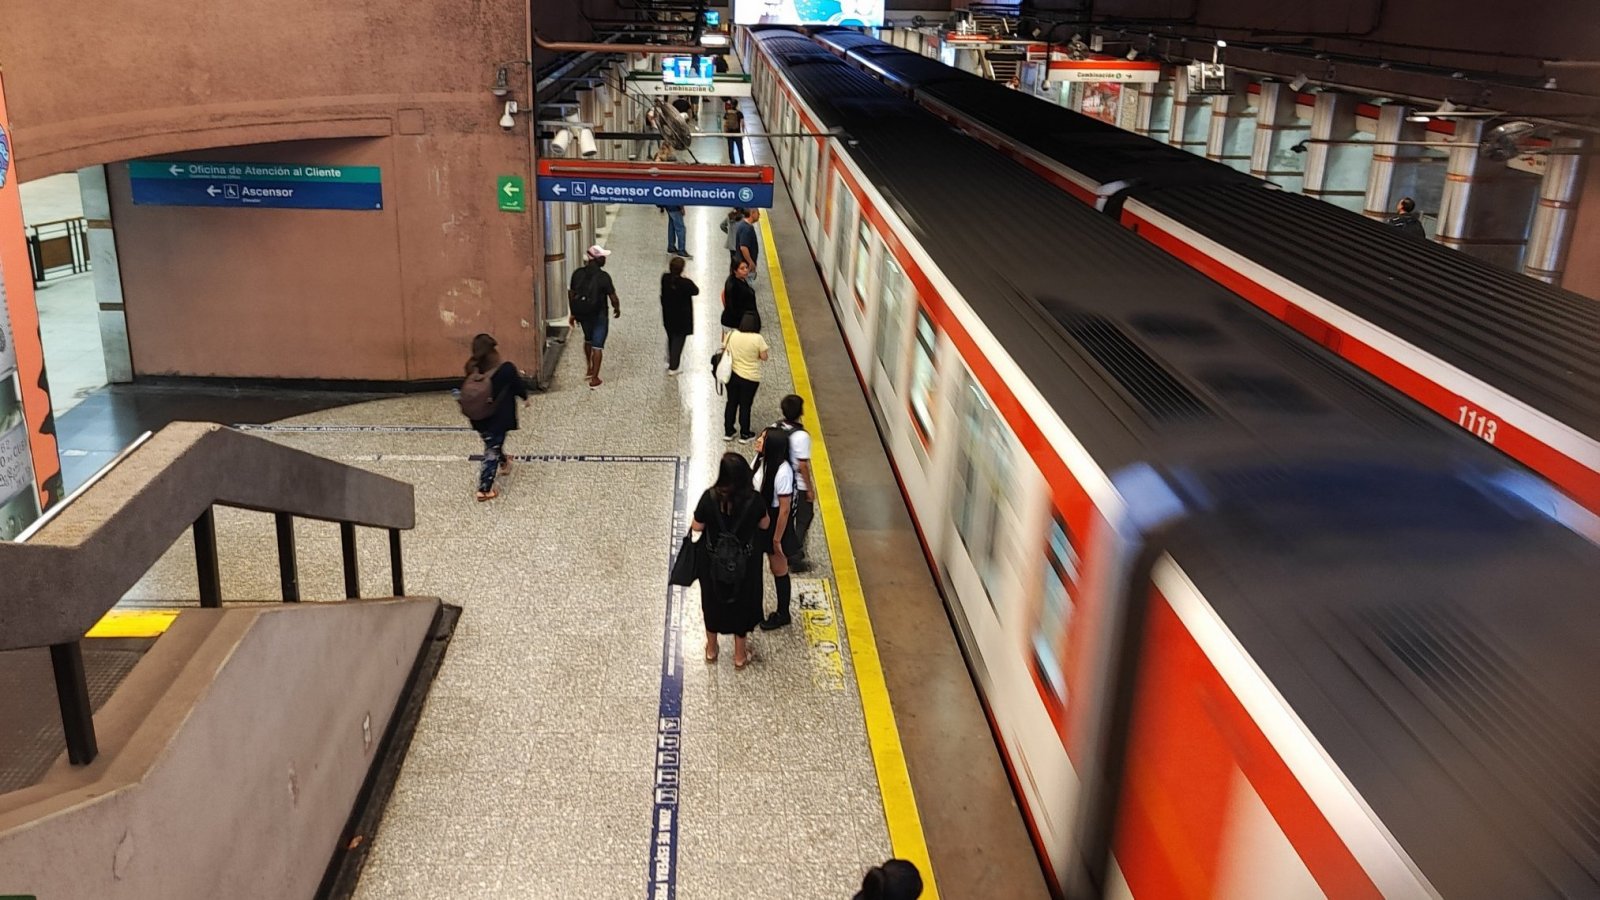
x: 662, y: 875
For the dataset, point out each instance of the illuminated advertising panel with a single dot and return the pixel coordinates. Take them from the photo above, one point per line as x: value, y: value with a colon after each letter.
x: 693, y: 70
x: 808, y: 12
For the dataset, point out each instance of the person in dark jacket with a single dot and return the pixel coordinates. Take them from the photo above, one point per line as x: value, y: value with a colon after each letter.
x: 677, y: 311
x: 1408, y: 220
x: 504, y: 382
x: 732, y: 507
x: 738, y: 297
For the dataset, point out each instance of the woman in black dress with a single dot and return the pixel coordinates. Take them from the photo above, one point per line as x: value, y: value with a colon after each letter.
x: 738, y: 297
x: 677, y: 311
x: 730, y: 511
x: 504, y: 381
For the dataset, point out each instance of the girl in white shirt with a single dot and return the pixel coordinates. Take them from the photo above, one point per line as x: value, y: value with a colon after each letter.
x: 774, y: 481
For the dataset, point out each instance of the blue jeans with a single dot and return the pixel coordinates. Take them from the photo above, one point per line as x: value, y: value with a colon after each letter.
x: 735, y: 151
x: 676, y: 233
x: 494, y: 443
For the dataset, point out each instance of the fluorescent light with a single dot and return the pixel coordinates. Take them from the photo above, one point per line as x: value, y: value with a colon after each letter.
x: 713, y: 39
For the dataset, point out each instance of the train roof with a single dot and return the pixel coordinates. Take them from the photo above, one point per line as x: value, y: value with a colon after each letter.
x: 1440, y: 644
x: 1140, y: 355
x: 1537, y: 343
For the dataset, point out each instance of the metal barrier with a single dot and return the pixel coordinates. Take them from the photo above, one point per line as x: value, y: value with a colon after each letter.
x: 73, y: 567
x: 58, y: 249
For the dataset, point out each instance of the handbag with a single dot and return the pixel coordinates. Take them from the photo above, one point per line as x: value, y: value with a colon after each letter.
x: 684, y: 570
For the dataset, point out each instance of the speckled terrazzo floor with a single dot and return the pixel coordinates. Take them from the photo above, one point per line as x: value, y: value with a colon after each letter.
x: 532, y: 773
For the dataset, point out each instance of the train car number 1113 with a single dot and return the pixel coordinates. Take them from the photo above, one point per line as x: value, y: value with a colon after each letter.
x: 1477, y: 423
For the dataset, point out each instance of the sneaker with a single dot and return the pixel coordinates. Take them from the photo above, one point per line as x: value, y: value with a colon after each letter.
x: 774, y: 622
x: 672, y: 371
x: 728, y: 436
x: 746, y: 438
x: 686, y: 255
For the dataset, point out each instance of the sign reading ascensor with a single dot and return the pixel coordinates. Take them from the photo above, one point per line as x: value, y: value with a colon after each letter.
x: 654, y: 184
x: 246, y: 184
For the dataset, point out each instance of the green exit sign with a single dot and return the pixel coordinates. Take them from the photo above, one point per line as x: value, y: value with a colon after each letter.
x: 512, y: 195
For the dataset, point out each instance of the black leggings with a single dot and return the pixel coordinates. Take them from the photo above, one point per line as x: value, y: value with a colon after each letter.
x: 741, y: 395
x: 675, y: 349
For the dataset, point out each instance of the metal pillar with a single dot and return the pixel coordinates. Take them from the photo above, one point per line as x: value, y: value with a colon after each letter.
x: 1486, y: 206
x: 205, y: 559
x: 1337, y: 173
x: 352, y: 571
x: 1232, y: 137
x: 72, y: 693
x: 1395, y: 170
x: 1278, y: 127
x: 1154, y: 118
x: 397, y: 571
x: 1550, y: 238
x: 288, y: 567
x: 557, y: 275
x: 106, y: 274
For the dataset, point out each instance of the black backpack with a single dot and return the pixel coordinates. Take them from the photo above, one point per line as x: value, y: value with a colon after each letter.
x: 729, y: 555
x: 584, y: 303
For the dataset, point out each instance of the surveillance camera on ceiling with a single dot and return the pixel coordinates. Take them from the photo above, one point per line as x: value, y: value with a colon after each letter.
x: 506, y: 121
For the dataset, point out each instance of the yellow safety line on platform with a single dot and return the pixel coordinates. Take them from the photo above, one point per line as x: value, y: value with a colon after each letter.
x: 133, y: 623
x: 894, y: 780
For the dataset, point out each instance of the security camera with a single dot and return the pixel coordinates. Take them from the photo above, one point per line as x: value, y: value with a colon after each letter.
x: 506, y: 121
x: 560, y: 143
x: 586, y: 147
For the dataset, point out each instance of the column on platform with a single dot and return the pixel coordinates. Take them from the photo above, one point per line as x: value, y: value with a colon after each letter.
x: 1154, y: 118
x: 1278, y: 130
x: 1232, y: 137
x: 1550, y: 238
x: 1487, y: 205
x: 1191, y: 118
x: 106, y: 274
x: 1336, y: 172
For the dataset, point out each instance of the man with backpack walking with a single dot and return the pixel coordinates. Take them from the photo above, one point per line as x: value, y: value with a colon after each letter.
x: 485, y: 399
x: 586, y: 298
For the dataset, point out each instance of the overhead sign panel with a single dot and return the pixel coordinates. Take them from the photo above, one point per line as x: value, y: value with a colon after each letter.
x: 1102, y: 70
x: 655, y: 85
x: 167, y: 182
x: 809, y: 12
x: 654, y: 184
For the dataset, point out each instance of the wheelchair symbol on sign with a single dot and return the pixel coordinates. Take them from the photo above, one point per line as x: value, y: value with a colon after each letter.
x: 746, y: 195
x: 230, y: 191
x: 580, y: 188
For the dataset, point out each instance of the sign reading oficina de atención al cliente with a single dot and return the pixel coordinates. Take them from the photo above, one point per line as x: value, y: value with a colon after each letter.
x: 167, y: 182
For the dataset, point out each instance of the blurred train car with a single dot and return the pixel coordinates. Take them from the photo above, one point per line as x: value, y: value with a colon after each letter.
x: 1509, y: 359
x: 1246, y: 622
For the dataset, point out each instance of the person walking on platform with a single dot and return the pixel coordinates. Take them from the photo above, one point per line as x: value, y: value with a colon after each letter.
x: 738, y: 298
x: 677, y: 311
x: 1408, y: 220
x: 748, y: 350
x: 485, y: 400
x: 730, y: 518
x: 896, y: 879
x: 676, y: 233
x: 586, y: 298
x: 733, y: 127
x: 774, y: 478
x: 748, y: 240
x: 805, y: 487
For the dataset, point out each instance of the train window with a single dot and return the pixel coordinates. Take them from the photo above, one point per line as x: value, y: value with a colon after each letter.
x: 891, y: 316
x: 923, y: 375
x: 847, y: 217
x: 983, y: 473
x: 1055, y: 613
x: 863, y: 260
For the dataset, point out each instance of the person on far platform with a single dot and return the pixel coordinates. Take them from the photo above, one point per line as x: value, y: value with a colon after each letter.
x: 1407, y: 220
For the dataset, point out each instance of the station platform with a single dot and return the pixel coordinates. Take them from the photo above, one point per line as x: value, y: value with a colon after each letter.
x: 575, y: 744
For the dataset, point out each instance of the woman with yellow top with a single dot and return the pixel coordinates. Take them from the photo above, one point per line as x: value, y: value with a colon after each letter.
x: 748, y: 350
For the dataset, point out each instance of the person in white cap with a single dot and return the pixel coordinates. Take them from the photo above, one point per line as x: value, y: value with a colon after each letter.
x: 586, y: 298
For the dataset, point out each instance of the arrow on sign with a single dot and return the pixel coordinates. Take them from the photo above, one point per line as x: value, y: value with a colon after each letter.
x: 176, y: 171
x: 558, y: 189
x: 511, y: 189
x: 212, y: 190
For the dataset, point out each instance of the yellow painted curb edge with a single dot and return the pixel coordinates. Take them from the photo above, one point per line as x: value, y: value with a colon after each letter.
x: 133, y: 623
x: 888, y: 756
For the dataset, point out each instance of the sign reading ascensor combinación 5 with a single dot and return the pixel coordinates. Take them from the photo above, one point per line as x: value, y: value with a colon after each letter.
x: 168, y: 182
x: 654, y: 184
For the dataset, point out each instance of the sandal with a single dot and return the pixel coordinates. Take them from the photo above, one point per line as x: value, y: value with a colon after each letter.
x: 487, y: 495
x: 711, y: 656
x: 749, y: 657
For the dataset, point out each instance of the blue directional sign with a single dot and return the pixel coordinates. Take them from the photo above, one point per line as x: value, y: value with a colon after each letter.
x: 261, y: 185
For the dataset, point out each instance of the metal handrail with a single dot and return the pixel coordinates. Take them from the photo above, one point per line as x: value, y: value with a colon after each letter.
x: 81, y: 558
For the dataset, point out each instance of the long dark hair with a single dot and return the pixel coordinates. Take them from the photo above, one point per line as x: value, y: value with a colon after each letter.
x: 483, y: 353
x: 733, y: 488
x: 774, y: 454
x: 894, y: 880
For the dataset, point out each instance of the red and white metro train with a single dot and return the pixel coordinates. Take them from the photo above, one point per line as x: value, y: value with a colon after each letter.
x: 1509, y: 359
x: 1246, y: 623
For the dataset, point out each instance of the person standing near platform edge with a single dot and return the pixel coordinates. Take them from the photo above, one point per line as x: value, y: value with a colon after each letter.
x: 677, y: 311
x: 748, y: 241
x: 738, y: 299
x: 731, y: 519
x: 805, y: 487
x: 586, y: 300
x: 774, y: 478
x: 746, y: 350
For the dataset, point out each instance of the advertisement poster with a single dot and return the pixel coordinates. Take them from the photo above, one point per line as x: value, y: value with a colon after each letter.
x: 28, y: 445
x: 808, y: 12
x: 1102, y: 100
